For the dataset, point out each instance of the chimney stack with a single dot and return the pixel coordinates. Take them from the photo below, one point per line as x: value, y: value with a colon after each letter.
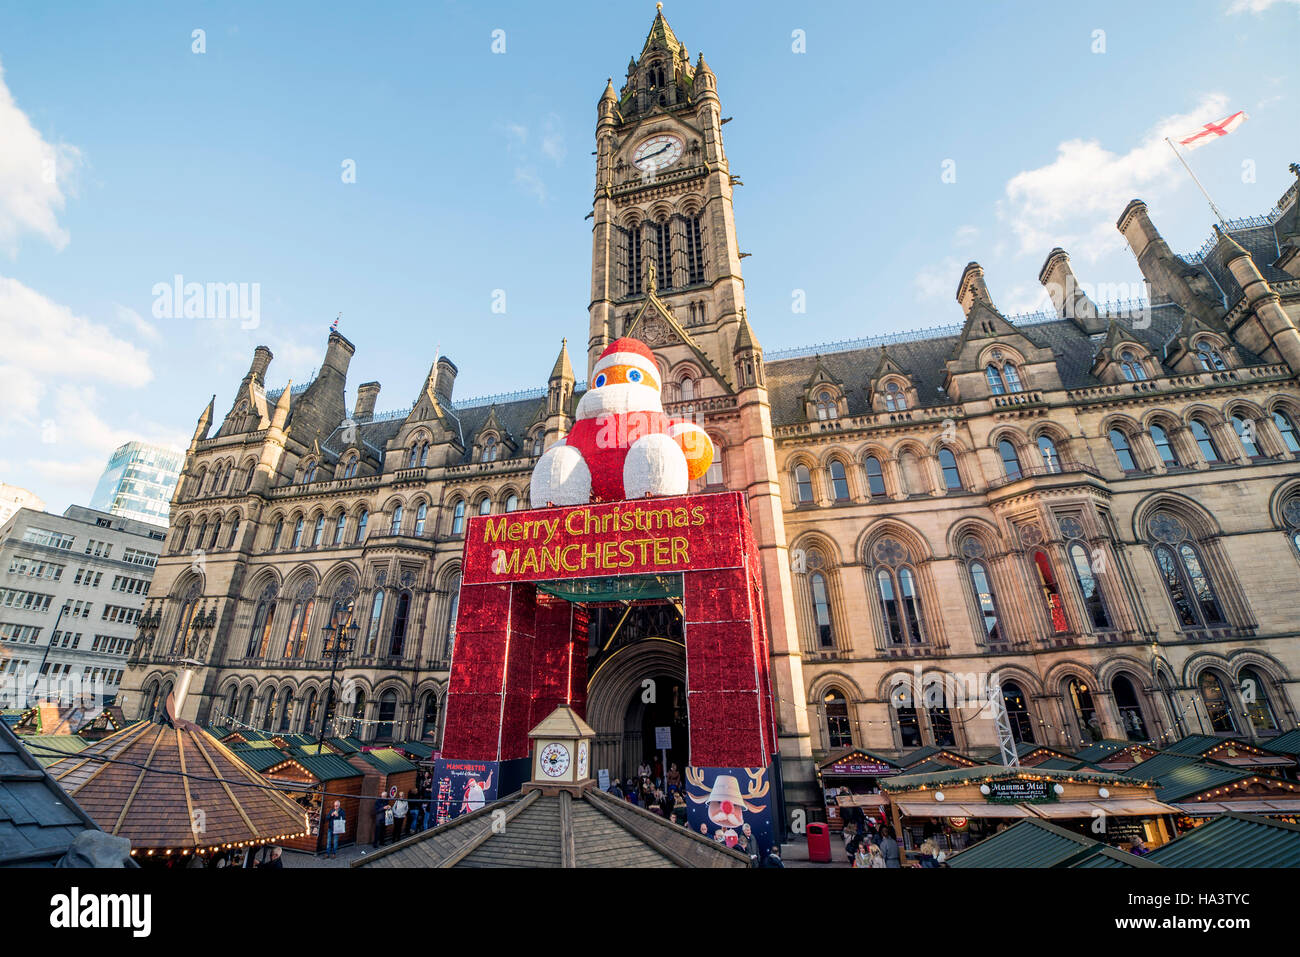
x: 1070, y: 301
x: 367, y: 393
x: 972, y: 287
x: 338, y: 354
x: 445, y: 379
x: 261, y: 361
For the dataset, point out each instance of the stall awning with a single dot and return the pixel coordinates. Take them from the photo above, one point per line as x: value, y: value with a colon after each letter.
x: 1210, y: 808
x: 862, y: 800
x: 952, y: 809
x: 1130, y: 807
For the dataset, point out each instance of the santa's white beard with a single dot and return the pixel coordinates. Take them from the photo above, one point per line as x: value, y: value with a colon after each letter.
x: 618, y: 397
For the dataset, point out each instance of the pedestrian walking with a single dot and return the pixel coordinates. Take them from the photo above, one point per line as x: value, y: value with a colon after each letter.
x: 335, y: 824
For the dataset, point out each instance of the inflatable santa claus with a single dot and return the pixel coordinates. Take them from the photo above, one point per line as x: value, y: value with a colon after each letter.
x: 622, y: 444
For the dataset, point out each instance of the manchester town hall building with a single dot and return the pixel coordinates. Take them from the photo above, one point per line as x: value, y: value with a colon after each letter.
x: 1100, y: 506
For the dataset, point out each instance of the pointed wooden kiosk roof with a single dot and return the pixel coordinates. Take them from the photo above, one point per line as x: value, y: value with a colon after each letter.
x: 205, y: 800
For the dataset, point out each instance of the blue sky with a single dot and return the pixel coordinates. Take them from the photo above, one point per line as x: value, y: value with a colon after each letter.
x: 126, y: 158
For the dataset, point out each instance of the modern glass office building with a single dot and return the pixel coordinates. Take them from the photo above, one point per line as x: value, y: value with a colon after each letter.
x: 139, y: 482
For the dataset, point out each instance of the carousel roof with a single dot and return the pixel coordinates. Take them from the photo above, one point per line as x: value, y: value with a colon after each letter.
x: 176, y: 787
x: 590, y: 829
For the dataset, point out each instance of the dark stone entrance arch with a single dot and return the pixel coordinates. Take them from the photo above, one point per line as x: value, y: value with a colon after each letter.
x: 614, y: 686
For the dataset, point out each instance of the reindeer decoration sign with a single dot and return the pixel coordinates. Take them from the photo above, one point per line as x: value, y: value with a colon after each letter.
x: 718, y: 809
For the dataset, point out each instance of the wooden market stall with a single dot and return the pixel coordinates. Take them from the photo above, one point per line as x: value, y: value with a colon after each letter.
x: 959, y: 806
x: 314, y: 780
x: 851, y: 779
x: 1201, y: 789
x: 388, y: 775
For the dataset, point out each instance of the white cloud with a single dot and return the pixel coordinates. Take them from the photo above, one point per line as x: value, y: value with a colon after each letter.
x: 130, y: 317
x: 965, y: 236
x: 34, y: 175
x: 1257, y: 6
x: 938, y: 282
x: 44, y: 338
x: 1072, y: 202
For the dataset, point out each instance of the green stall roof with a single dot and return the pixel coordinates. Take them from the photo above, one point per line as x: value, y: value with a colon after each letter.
x: 323, y: 767
x: 1040, y: 844
x: 1234, y: 840
x: 1288, y: 743
x: 387, y: 760
x: 1182, y: 776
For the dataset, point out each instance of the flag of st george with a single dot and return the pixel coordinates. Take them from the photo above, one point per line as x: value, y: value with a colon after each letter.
x: 1212, y: 131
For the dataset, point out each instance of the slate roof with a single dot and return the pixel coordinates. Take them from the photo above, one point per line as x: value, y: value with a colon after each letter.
x: 1180, y: 776
x: 155, y: 810
x: 1288, y: 743
x: 38, y: 820
x: 560, y: 830
x: 1234, y: 840
x: 1040, y: 844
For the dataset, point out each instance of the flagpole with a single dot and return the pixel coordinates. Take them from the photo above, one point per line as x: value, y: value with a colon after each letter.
x: 1218, y: 215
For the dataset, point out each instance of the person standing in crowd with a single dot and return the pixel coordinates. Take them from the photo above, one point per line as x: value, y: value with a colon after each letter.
x: 679, y: 808
x: 874, y: 857
x: 929, y: 853
x: 383, y: 811
x: 400, y: 807
x: 615, y: 789
x: 643, y: 769
x: 665, y: 805
x: 631, y: 791
x: 331, y: 834
x: 412, y: 811
x: 889, y: 847
x: 674, y: 778
x: 773, y: 858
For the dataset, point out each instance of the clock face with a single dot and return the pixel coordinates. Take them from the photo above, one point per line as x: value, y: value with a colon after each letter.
x: 658, y: 152
x: 554, y: 760
x: 582, y: 759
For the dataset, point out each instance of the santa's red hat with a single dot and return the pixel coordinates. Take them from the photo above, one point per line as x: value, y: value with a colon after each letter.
x: 628, y: 352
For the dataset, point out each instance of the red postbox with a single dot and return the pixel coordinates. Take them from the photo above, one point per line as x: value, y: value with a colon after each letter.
x: 819, y: 843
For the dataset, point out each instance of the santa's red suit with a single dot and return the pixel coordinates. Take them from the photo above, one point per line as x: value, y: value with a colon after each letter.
x: 622, y: 445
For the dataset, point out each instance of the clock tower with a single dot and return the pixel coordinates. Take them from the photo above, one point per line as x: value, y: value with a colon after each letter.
x: 662, y: 219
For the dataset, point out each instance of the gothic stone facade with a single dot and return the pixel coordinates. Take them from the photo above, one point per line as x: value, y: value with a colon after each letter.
x: 1100, y: 507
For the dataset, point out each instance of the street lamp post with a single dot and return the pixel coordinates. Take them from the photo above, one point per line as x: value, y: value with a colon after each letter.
x: 339, y: 641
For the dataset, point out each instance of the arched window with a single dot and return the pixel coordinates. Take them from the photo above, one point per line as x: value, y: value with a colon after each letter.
x: 453, y: 611
x: 839, y: 481
x: 1047, y: 452
x: 1246, y: 432
x: 421, y: 514
x: 996, y: 385
x: 1204, y: 442
x: 362, y: 521
x: 424, y: 454
x: 295, y: 644
x: 1209, y: 357
x: 821, y: 610
x: 1190, y: 590
x: 397, y: 638
x: 948, y: 465
x: 319, y: 532
x: 413, y: 459
x: 1287, y: 429
x: 1089, y: 587
x: 259, y: 639
x: 203, y: 530
x: 713, y: 477
x: 342, y: 609
x: 1084, y: 711
x: 387, y: 714
x: 803, y: 485
x: 1010, y: 460
x: 1017, y: 705
x: 275, y: 534
x: 1119, y: 442
x: 490, y: 448
x: 826, y: 407
x: 1254, y: 695
x: 1218, y: 706
x: 234, y: 533
x: 895, y: 398
x: 1130, y: 709
x: 909, y: 725
x: 395, y: 526
x: 839, y: 731
x: 246, y: 710
x: 982, y: 588
x: 485, y: 505
x: 268, y: 716
x: 1012, y: 378
x: 181, y: 636
x: 687, y: 389
x: 350, y: 470
x: 372, y: 629
x: 358, y: 712
x: 309, y: 473
x: 539, y: 442
x: 1133, y: 370
x: 286, y: 709
x: 1051, y: 593
x: 875, y: 478
x: 512, y: 502
x: 900, y: 600
x: 340, y: 524
x: 1163, y: 448
x: 429, y: 716
x: 458, y: 517
x: 297, y: 533
x: 309, y: 711
x: 941, y: 727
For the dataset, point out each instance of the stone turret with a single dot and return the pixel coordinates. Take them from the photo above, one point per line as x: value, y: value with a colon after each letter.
x: 367, y: 394
x: 444, y: 379
x: 1070, y: 301
x: 1167, y: 275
